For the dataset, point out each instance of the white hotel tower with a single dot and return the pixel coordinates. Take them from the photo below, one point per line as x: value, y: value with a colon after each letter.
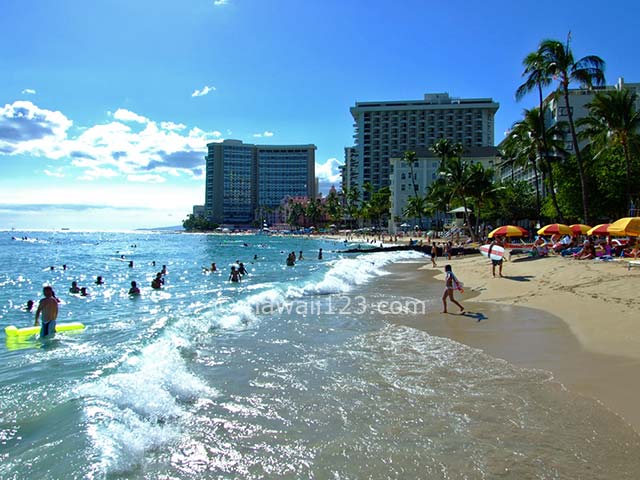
x: 384, y: 130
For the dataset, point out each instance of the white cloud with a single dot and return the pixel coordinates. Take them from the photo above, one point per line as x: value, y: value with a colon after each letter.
x: 95, y: 173
x: 128, y: 116
x: 27, y: 128
x: 329, y: 171
x: 29, y: 91
x: 217, y: 3
x: 135, y: 150
x: 56, y: 172
x: 148, y: 178
x: 266, y: 133
x: 204, y: 91
x: 172, y: 126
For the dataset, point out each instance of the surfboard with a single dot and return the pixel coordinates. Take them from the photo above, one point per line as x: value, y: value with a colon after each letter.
x: 497, y: 252
x: 13, y: 331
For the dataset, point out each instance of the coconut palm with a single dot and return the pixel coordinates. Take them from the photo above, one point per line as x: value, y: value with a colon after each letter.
x: 538, y: 77
x: 521, y: 149
x: 410, y: 158
x: 445, y: 149
x: 557, y: 62
x: 351, y: 203
x: 417, y: 207
x: 458, y: 175
x: 614, y: 121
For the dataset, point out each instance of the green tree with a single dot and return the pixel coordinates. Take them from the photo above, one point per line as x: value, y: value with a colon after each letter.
x: 445, y: 149
x: 409, y: 158
x: 296, y: 214
x: 458, y: 174
x: 314, y: 210
x: 557, y: 62
x: 614, y: 122
x: 334, y: 207
x: 352, y: 203
x: 196, y: 223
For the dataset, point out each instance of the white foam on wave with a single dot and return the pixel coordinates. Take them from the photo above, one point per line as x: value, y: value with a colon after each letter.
x: 346, y: 273
x: 140, y: 409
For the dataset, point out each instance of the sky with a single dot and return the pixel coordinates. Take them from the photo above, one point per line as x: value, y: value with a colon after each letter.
x: 106, y: 106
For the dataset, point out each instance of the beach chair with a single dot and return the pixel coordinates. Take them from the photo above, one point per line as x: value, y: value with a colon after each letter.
x: 633, y: 263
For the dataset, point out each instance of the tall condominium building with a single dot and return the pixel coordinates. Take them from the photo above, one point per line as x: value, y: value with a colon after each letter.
x: 384, y: 130
x: 244, y: 179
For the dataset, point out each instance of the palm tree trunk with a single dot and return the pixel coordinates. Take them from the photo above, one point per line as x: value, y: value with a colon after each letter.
x: 545, y: 145
x: 535, y: 176
x: 627, y: 160
x: 552, y: 191
x: 574, y: 139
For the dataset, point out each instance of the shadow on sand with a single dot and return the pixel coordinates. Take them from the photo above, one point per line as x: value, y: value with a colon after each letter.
x: 519, y: 278
x: 478, y: 316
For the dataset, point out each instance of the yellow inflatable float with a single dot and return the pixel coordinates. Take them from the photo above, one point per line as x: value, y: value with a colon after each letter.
x: 12, y: 331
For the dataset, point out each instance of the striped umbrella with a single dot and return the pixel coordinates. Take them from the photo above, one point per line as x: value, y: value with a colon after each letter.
x: 579, y: 229
x: 555, y: 228
x: 508, y: 231
x: 602, y: 230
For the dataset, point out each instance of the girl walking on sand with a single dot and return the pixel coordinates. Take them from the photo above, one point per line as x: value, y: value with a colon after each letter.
x: 451, y: 283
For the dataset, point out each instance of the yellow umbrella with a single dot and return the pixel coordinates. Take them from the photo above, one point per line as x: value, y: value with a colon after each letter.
x: 555, y: 228
x: 579, y: 229
x: 626, y: 226
x: 508, y: 231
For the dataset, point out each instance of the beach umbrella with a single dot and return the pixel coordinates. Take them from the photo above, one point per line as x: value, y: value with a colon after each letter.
x: 626, y: 226
x: 579, y: 229
x: 602, y: 229
x: 508, y: 231
x: 554, y: 229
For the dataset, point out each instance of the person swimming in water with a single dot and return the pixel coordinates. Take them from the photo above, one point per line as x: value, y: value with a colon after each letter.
x: 74, y: 287
x: 234, y: 276
x: 157, y: 282
x: 99, y: 280
x: 48, y: 307
x: 134, y: 290
x: 241, y: 269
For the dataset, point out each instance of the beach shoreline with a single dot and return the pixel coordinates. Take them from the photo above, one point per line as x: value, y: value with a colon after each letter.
x: 542, y: 314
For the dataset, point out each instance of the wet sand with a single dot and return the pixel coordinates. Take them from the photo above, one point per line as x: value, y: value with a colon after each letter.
x: 524, y: 336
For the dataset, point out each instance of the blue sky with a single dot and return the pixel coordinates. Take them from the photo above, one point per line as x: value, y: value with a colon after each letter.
x: 106, y: 106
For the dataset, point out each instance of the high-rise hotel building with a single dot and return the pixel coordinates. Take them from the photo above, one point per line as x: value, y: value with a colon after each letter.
x: 384, y: 130
x: 242, y: 179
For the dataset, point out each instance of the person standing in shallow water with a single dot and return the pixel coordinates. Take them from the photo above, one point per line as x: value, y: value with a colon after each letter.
x: 451, y: 283
x: 48, y: 307
x: 320, y: 254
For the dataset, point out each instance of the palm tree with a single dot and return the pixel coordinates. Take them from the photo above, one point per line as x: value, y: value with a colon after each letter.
x: 614, y: 121
x: 410, y: 158
x: 556, y: 60
x: 417, y: 207
x: 352, y: 200
x: 314, y: 211
x: 521, y: 149
x: 445, y: 149
x: 458, y: 175
x: 481, y: 189
x: 439, y: 196
x: 538, y: 77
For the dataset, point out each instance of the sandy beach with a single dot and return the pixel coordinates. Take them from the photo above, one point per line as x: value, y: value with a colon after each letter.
x: 577, y: 319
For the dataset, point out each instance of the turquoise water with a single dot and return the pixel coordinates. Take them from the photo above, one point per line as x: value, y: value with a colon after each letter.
x: 287, y: 375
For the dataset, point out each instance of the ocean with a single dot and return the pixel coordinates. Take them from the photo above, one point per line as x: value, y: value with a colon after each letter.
x: 295, y: 372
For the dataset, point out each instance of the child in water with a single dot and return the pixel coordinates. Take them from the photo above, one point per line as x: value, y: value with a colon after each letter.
x: 451, y: 283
